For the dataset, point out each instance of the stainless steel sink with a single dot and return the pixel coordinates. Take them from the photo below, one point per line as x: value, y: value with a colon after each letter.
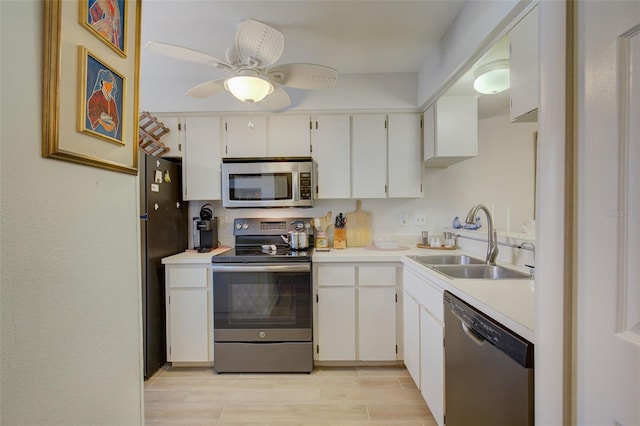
x: 489, y: 272
x: 447, y: 259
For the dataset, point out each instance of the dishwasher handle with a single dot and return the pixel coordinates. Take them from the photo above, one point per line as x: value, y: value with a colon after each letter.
x: 475, y: 337
x: 469, y: 332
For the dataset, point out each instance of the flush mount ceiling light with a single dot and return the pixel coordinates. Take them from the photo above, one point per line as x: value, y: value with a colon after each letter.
x: 248, y: 88
x: 492, y: 77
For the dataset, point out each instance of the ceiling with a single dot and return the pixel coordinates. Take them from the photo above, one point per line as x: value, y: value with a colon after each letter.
x: 354, y: 37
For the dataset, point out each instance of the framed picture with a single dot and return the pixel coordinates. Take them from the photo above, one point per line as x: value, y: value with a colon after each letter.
x: 101, y: 98
x: 107, y: 19
x: 89, y: 94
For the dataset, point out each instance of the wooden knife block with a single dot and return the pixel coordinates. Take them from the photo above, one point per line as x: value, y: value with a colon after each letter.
x: 339, y: 238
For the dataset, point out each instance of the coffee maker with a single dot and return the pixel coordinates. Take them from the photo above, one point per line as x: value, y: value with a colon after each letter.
x: 205, y: 230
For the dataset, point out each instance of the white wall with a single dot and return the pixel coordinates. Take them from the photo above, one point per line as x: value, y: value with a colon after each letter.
x: 351, y: 92
x: 70, y: 288
x: 476, y: 28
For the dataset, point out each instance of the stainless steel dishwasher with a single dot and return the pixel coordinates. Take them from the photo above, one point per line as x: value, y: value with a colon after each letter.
x: 488, y: 369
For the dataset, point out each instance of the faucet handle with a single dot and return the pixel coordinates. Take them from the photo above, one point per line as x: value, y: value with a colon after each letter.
x: 532, y: 270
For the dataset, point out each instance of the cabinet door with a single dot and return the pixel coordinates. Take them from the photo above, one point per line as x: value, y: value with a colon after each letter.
x: 289, y: 136
x: 524, y: 64
x: 429, y: 132
x: 455, y: 131
x: 404, y: 155
x: 369, y: 156
x: 246, y: 136
x: 330, y: 140
x: 201, y: 178
x: 457, y: 126
x: 173, y: 139
x: 189, y: 325
x: 336, y: 324
x: 377, y: 323
x: 432, y: 364
x: 411, y: 323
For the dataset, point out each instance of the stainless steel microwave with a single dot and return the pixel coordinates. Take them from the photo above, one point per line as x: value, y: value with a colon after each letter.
x: 267, y: 182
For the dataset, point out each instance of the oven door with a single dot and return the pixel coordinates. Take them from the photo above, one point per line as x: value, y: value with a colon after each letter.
x: 262, y: 302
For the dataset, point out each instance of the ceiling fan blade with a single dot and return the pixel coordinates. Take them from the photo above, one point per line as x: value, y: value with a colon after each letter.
x: 206, y: 89
x: 278, y: 99
x: 303, y: 76
x: 259, y: 44
x: 186, y: 54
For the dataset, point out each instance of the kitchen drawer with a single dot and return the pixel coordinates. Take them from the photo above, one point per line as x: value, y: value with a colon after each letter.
x: 425, y: 293
x: 188, y: 277
x: 336, y: 275
x: 377, y: 275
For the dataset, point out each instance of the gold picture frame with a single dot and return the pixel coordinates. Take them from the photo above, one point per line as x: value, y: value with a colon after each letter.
x: 108, y: 21
x: 62, y: 138
x: 101, y: 98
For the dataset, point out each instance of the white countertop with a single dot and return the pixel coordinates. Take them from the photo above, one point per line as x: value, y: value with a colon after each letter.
x: 510, y: 302
x: 192, y: 256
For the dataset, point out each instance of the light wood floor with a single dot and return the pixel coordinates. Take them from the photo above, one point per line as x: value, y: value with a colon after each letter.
x: 328, y: 396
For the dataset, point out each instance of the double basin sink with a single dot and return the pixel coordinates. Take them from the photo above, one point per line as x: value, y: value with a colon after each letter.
x: 467, y: 267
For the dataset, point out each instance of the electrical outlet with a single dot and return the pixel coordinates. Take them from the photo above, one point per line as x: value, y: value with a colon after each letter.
x: 404, y: 218
x: 420, y: 219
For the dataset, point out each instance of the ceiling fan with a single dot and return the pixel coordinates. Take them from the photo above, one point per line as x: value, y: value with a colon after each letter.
x: 257, y: 47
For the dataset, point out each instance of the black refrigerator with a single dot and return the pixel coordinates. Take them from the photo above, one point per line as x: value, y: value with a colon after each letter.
x: 164, y: 231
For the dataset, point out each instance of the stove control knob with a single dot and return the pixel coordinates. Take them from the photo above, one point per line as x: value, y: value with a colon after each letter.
x: 262, y: 334
x: 238, y: 226
x: 245, y: 226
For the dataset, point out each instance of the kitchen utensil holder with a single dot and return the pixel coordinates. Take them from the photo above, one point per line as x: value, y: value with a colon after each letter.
x: 339, y: 238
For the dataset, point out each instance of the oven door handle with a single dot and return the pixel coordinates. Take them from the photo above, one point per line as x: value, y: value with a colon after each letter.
x: 289, y: 267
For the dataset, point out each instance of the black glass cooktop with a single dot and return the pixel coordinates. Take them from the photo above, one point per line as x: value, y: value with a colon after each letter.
x: 260, y: 255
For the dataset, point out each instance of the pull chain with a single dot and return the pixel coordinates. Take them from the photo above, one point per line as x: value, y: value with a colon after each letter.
x: 250, y: 123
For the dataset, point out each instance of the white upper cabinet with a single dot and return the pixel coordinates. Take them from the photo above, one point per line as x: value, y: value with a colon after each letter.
x: 201, y: 171
x: 369, y: 160
x: 524, y: 64
x: 289, y: 136
x: 404, y: 152
x: 331, y: 153
x: 451, y: 130
x: 246, y: 136
x: 172, y: 140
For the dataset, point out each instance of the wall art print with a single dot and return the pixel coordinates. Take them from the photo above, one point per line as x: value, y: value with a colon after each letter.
x: 107, y: 19
x: 89, y: 94
x: 102, y: 94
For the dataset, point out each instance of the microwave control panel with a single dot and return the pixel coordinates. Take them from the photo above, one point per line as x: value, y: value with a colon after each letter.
x: 305, y: 186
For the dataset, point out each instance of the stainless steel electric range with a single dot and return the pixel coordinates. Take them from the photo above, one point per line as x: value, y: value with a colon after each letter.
x: 262, y: 296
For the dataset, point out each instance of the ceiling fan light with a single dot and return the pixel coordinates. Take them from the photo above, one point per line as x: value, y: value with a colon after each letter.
x: 492, y: 77
x: 248, y: 88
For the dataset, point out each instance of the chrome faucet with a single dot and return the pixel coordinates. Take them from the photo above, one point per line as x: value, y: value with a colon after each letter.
x: 532, y: 268
x: 492, y: 240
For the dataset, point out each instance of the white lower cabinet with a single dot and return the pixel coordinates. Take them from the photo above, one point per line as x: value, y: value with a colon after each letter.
x: 355, y: 312
x: 411, y: 329
x: 336, y: 324
x: 189, y: 313
x: 377, y: 323
x: 424, y: 338
x: 432, y: 363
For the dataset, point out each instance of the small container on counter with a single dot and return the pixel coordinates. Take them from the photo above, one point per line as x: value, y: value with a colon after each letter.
x: 322, y: 242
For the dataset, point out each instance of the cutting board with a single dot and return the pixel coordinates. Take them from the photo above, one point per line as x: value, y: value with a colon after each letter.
x: 359, y: 227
